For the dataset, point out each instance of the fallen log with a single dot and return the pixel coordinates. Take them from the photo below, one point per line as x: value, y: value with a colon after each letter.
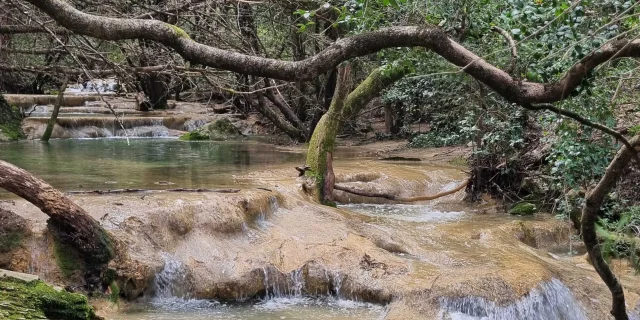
x: 69, y: 224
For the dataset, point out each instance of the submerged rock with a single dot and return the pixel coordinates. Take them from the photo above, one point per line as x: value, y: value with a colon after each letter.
x: 20, y: 299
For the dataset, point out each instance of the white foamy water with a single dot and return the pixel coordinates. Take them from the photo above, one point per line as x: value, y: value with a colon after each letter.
x: 405, y: 212
x: 551, y: 301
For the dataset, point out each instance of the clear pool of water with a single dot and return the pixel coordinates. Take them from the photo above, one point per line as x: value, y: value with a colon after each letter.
x: 278, y: 308
x: 92, y: 164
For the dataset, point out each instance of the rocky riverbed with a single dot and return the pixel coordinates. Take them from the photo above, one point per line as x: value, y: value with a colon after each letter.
x: 431, y: 260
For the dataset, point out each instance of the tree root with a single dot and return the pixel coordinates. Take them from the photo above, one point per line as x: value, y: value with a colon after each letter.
x: 395, y: 198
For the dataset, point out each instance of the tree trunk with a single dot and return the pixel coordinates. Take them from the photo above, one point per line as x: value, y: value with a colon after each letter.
x: 388, y: 118
x: 590, y: 211
x: 155, y: 87
x: 342, y: 106
x: 69, y: 224
x: 56, y: 109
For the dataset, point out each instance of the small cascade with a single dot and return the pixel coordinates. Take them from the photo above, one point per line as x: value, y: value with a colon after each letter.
x: 406, y: 212
x: 278, y: 285
x: 107, y: 126
x: 173, y: 289
x: 336, y: 283
x: 102, y: 86
x: 553, y: 300
x: 172, y: 280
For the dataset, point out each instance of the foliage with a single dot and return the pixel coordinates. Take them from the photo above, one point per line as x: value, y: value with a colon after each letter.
x: 620, y: 234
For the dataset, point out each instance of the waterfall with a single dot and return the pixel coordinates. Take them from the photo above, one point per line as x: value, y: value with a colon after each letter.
x: 174, y: 290
x: 278, y: 285
x: 553, y: 300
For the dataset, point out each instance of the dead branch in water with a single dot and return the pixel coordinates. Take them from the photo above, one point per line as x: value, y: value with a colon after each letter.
x: 120, y: 191
x: 395, y: 198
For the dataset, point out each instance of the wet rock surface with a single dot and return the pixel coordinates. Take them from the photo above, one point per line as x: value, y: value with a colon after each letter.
x: 421, y: 262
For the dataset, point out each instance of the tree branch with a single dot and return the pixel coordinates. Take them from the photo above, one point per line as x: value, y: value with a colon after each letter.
x: 395, y: 198
x: 514, y: 90
x: 512, y: 46
x: 587, y: 123
x: 590, y: 212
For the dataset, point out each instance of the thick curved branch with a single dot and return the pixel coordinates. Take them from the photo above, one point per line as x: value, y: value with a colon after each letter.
x: 514, y: 90
x: 70, y: 223
x: 593, y: 203
x: 512, y: 46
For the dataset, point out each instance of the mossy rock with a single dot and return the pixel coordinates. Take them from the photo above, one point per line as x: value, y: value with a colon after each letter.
x: 523, y: 209
x: 20, y: 299
x: 218, y: 130
x: 10, y: 122
x: 68, y: 259
x: 12, y: 230
x: 194, y: 136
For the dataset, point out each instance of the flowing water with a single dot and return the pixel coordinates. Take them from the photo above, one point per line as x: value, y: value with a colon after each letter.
x: 93, y: 164
x: 553, y: 300
x: 284, y: 300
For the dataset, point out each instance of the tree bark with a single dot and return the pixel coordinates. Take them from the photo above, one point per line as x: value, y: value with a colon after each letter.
x: 590, y: 211
x: 342, y: 106
x: 69, y: 223
x: 56, y: 109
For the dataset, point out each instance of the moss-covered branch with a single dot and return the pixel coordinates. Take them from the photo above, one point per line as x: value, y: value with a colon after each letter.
x: 342, y: 105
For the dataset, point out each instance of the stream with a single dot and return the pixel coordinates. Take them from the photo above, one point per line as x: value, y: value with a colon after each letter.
x: 440, y: 238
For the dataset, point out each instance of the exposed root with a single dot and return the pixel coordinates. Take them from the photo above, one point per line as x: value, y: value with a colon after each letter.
x: 395, y: 198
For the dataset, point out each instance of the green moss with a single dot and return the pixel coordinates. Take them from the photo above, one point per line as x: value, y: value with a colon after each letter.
x: 10, y: 241
x: 194, y: 136
x: 68, y: 259
x: 524, y: 209
x: 10, y: 121
x: 218, y: 130
x: 12, y: 231
x: 178, y: 31
x: 223, y: 125
x: 36, y: 300
x: 459, y: 161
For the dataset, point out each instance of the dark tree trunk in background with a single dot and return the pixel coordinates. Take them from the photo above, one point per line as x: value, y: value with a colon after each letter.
x: 155, y: 87
x: 56, y: 108
x: 69, y: 224
x: 388, y: 119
